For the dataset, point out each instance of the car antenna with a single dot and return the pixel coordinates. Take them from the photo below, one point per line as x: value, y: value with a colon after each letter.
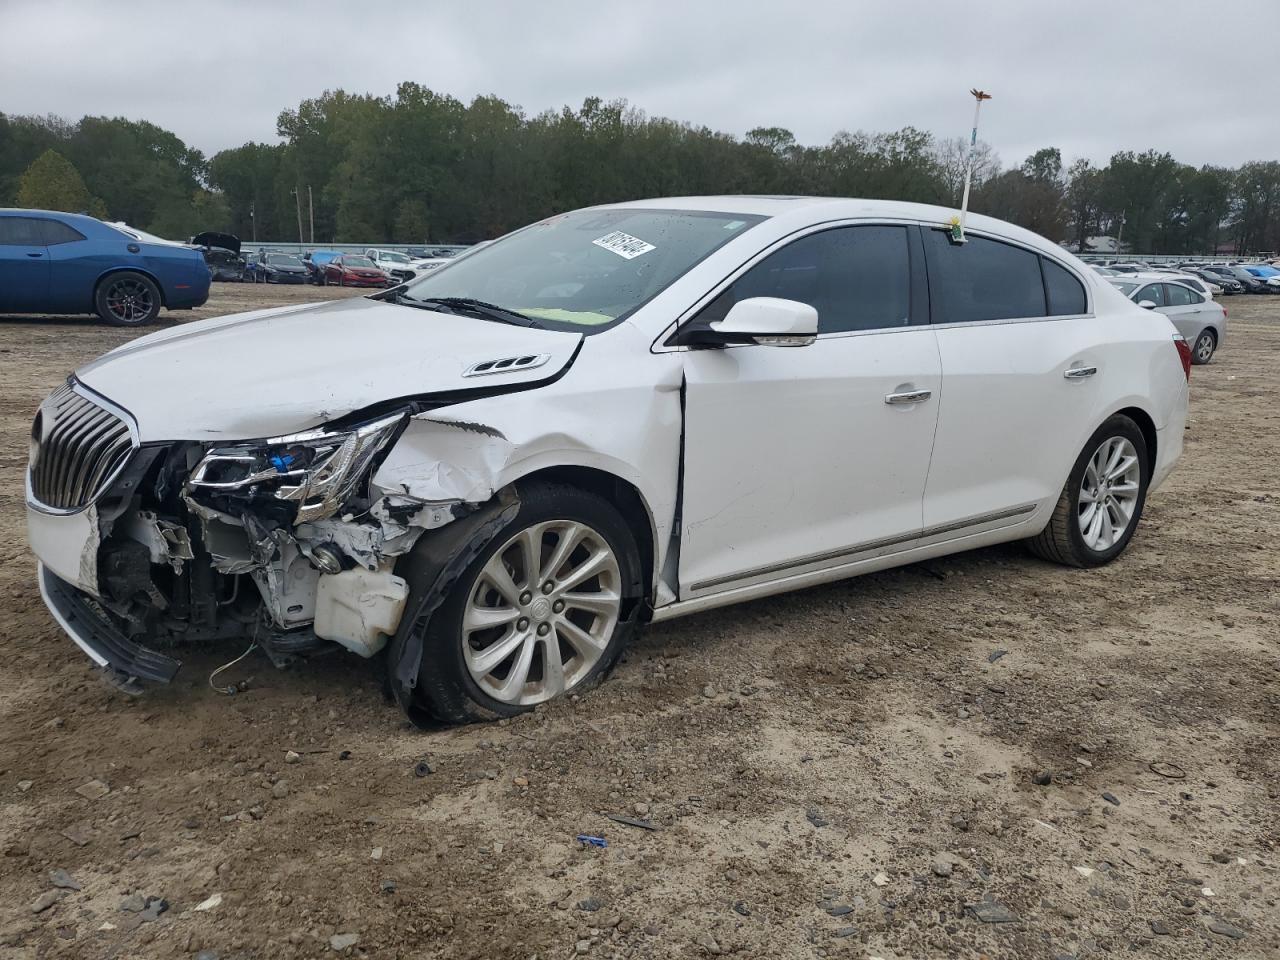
x: 957, y: 223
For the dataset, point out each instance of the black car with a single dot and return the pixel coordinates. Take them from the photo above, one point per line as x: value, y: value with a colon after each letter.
x: 279, y: 268
x: 1229, y: 285
x: 1246, y: 279
x: 222, y: 254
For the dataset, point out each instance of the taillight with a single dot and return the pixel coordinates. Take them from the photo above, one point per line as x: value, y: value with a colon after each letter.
x: 1184, y: 354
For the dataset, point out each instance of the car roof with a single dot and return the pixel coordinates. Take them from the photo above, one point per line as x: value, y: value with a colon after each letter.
x: 818, y: 209
x: 56, y: 214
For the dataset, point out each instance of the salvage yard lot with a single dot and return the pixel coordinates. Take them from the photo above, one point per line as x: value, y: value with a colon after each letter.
x: 842, y: 772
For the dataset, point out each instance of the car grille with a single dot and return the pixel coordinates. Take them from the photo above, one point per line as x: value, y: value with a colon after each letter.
x: 77, y: 448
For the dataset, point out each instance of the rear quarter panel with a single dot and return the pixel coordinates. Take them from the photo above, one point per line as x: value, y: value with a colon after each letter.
x: 1148, y: 374
x: 77, y: 267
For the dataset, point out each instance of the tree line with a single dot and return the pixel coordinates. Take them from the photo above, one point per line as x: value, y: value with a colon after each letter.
x: 422, y: 166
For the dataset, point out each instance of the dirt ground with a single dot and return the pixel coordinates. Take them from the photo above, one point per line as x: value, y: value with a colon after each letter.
x: 843, y: 772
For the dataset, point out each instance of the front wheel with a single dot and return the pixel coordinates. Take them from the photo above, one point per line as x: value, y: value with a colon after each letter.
x: 1102, y: 501
x: 544, y: 610
x: 1204, y: 348
x: 127, y: 299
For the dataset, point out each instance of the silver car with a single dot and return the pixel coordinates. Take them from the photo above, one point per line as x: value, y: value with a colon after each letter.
x: 1200, y: 319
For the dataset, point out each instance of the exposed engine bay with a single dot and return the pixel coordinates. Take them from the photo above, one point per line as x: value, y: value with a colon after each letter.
x: 286, y: 540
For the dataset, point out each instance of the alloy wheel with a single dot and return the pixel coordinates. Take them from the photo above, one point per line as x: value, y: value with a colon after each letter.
x: 541, y: 612
x: 1109, y: 493
x: 1204, y: 347
x: 129, y: 300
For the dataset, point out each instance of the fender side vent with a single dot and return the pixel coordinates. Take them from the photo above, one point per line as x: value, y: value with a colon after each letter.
x: 506, y: 364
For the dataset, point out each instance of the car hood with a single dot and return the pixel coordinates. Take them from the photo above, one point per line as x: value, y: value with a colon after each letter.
x: 211, y: 238
x: 286, y: 268
x: 279, y: 371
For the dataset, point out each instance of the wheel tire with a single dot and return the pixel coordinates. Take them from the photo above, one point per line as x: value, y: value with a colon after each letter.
x: 446, y: 689
x: 127, y: 299
x: 1203, y: 349
x: 1062, y: 541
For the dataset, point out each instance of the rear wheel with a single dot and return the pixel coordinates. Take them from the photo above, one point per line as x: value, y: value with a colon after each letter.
x: 539, y: 613
x: 1102, y: 500
x: 1205, y: 345
x: 127, y: 299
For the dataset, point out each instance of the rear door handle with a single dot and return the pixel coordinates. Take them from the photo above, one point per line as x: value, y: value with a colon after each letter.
x: 910, y: 396
x: 35, y: 254
x: 1079, y: 373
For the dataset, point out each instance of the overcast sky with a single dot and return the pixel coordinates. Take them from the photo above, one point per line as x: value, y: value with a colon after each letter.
x: 1088, y: 77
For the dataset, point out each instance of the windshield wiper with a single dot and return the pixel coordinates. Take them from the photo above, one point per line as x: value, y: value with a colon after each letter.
x: 469, y: 306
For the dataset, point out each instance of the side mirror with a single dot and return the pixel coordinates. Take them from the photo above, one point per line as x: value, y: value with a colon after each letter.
x: 1147, y: 304
x: 769, y: 321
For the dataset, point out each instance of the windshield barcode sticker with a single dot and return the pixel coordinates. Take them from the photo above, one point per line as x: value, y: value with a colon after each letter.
x: 624, y: 245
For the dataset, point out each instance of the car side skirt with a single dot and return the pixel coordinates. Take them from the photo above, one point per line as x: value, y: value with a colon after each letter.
x: 1010, y: 524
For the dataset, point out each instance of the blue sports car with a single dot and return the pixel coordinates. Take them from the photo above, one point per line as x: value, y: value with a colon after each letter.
x: 67, y: 263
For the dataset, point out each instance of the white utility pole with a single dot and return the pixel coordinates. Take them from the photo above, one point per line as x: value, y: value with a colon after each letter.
x: 957, y: 231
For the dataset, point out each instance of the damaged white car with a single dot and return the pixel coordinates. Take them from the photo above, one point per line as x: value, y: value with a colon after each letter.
x: 490, y: 477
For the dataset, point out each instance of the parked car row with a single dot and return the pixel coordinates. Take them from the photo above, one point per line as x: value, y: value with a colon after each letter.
x: 1231, y: 278
x: 222, y: 252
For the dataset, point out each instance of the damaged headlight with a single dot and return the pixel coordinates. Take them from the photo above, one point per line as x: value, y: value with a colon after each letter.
x: 318, y: 470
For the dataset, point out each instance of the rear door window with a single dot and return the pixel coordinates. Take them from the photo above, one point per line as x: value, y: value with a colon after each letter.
x: 1176, y: 295
x: 1064, y: 292
x: 982, y: 279
x: 21, y: 232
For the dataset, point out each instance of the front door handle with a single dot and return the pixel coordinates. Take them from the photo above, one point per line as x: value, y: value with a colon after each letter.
x: 35, y: 254
x: 910, y: 396
x: 1079, y: 373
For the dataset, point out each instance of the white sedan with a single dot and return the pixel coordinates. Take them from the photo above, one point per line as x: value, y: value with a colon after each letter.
x: 1198, y: 317
x: 612, y: 416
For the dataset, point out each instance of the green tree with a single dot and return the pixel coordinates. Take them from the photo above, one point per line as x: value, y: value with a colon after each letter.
x: 1135, y: 194
x: 53, y: 183
x: 1081, y: 195
x: 1257, y: 226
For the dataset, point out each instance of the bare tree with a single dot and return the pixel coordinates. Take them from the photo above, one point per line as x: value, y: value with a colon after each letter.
x: 952, y: 155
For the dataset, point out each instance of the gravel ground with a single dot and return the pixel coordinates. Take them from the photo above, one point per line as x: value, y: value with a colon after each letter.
x: 851, y: 771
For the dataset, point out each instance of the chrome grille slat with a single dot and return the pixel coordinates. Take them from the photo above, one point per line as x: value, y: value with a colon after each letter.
x: 107, y: 464
x: 79, y: 435
x: 81, y: 448
x: 95, y: 429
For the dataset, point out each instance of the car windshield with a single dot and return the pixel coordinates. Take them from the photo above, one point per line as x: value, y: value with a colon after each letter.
x: 357, y: 262
x: 393, y: 257
x: 1124, y: 286
x: 584, y: 269
x: 283, y: 260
